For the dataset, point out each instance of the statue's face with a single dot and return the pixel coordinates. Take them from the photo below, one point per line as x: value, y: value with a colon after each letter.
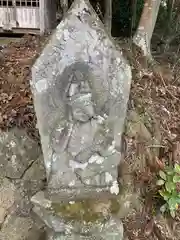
x: 82, y: 107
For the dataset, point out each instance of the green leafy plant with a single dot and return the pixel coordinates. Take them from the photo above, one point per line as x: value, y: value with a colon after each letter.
x: 169, y: 179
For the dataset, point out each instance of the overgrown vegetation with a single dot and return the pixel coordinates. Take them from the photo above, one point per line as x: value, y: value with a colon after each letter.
x: 169, y: 180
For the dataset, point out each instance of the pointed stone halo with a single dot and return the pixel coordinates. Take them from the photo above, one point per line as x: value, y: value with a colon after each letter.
x: 81, y: 86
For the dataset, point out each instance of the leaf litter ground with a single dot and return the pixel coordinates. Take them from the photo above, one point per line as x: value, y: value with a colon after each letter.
x: 16, y: 106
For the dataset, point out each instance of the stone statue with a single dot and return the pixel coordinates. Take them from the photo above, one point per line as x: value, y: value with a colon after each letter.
x: 81, y: 86
x: 84, y: 154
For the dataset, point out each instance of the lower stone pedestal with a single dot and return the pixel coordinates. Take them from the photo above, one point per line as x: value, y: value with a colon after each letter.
x: 90, y: 219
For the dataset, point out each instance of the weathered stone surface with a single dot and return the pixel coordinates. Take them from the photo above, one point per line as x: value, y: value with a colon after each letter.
x: 81, y: 87
x: 33, y: 181
x: 34, y: 178
x: 19, y: 228
x: 17, y: 152
x: 18, y: 159
x: 7, y: 197
x: 64, y: 227
x: 15, y: 203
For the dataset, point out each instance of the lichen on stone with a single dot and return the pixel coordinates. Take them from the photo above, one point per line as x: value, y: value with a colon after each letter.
x: 89, y: 210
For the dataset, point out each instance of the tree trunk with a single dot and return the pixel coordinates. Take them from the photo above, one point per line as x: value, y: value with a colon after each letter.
x: 143, y: 35
x: 170, y: 8
x: 167, y: 35
x: 47, y: 16
x: 108, y: 15
x: 64, y: 6
x: 133, y: 12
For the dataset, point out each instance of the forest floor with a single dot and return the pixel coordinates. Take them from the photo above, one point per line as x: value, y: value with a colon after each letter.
x: 155, y: 94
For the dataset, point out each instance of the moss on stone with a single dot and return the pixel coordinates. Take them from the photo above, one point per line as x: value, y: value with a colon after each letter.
x: 84, y: 210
